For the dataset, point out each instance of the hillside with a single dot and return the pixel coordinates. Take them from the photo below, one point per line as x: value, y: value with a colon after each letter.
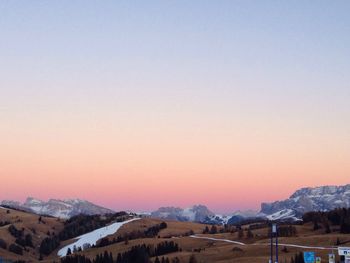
x: 30, y: 237
x: 29, y: 227
x: 222, y: 247
x: 177, y: 241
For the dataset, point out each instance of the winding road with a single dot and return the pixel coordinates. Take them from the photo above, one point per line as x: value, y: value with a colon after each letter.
x: 262, y: 244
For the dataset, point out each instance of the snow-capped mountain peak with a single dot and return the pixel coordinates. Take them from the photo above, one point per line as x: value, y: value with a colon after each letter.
x: 58, y: 208
x: 323, y: 198
x: 196, y: 213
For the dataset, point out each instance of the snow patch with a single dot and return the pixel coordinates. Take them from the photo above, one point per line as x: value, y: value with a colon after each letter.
x: 285, y: 213
x: 188, y: 213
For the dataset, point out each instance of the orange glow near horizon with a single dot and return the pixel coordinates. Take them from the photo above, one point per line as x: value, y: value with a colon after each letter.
x: 156, y: 166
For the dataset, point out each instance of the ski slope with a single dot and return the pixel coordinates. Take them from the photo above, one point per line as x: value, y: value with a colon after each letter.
x: 92, y: 237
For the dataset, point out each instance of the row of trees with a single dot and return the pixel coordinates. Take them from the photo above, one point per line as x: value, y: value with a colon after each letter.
x: 174, y: 260
x: 15, y: 232
x: 108, y: 258
x: 26, y: 241
x: 16, y: 249
x: 22, y: 241
x: 285, y: 231
x: 48, y: 245
x: 137, y: 254
x: 82, y: 224
x: 214, y: 230
x: 76, y: 226
x: 150, y: 232
x: 337, y: 217
x: 153, y: 231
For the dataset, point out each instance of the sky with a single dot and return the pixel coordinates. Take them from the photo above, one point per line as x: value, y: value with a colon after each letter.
x: 140, y: 104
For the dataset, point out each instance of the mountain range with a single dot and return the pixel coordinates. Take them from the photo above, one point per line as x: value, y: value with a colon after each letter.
x: 323, y: 198
x: 58, y: 208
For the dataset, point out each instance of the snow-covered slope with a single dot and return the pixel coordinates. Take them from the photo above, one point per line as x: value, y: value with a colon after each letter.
x: 58, y: 208
x: 217, y: 219
x: 283, y: 215
x: 91, y: 238
x: 322, y: 198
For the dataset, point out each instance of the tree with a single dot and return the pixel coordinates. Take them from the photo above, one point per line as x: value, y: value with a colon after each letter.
x: 328, y: 229
x: 206, y: 230
x: 3, y: 244
x: 285, y: 249
x: 28, y: 240
x: 298, y: 258
x: 240, y: 233
x: 213, y: 229
x: 49, y: 244
x: 163, y: 225
x: 192, y: 259
x: 338, y: 242
x: 316, y: 225
x: 345, y: 226
x: 119, y: 258
x: 15, y: 232
x: 69, y: 252
x: 250, y: 234
x: 16, y: 249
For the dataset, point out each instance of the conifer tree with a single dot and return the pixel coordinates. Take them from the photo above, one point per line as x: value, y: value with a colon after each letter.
x: 192, y: 259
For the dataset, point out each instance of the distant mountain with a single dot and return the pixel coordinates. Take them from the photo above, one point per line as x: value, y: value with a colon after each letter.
x: 233, y: 218
x: 58, y: 208
x: 196, y: 213
x: 307, y: 199
x: 201, y: 214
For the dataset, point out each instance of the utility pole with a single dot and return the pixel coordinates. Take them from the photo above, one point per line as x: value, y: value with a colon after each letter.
x: 271, y: 248
x: 276, y: 244
x: 273, y: 232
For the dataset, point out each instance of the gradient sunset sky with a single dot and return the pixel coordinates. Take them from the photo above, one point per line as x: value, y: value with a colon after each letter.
x: 141, y: 104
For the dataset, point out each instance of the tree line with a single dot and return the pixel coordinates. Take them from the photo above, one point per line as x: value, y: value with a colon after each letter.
x: 150, y: 232
x: 82, y: 224
x: 137, y: 254
x: 21, y: 241
x: 337, y: 217
x: 76, y: 226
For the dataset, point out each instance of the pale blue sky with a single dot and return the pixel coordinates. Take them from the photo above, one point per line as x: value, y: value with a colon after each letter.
x: 245, y: 90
